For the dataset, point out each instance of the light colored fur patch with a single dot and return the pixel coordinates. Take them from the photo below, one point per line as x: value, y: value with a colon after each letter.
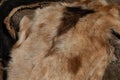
x: 80, y: 54
x: 24, y: 31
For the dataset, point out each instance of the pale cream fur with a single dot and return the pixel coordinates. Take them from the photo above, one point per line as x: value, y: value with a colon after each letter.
x: 80, y: 54
x: 25, y: 25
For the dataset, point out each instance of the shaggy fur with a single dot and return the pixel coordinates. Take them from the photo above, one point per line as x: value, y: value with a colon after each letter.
x: 50, y: 48
x: 6, y: 40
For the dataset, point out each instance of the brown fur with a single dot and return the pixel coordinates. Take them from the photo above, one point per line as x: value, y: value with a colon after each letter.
x: 81, y: 53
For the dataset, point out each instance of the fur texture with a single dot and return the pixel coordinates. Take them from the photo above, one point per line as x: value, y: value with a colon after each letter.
x: 55, y: 49
x: 6, y: 40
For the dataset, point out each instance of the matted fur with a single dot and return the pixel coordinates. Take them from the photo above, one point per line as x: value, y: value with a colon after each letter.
x: 82, y: 52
